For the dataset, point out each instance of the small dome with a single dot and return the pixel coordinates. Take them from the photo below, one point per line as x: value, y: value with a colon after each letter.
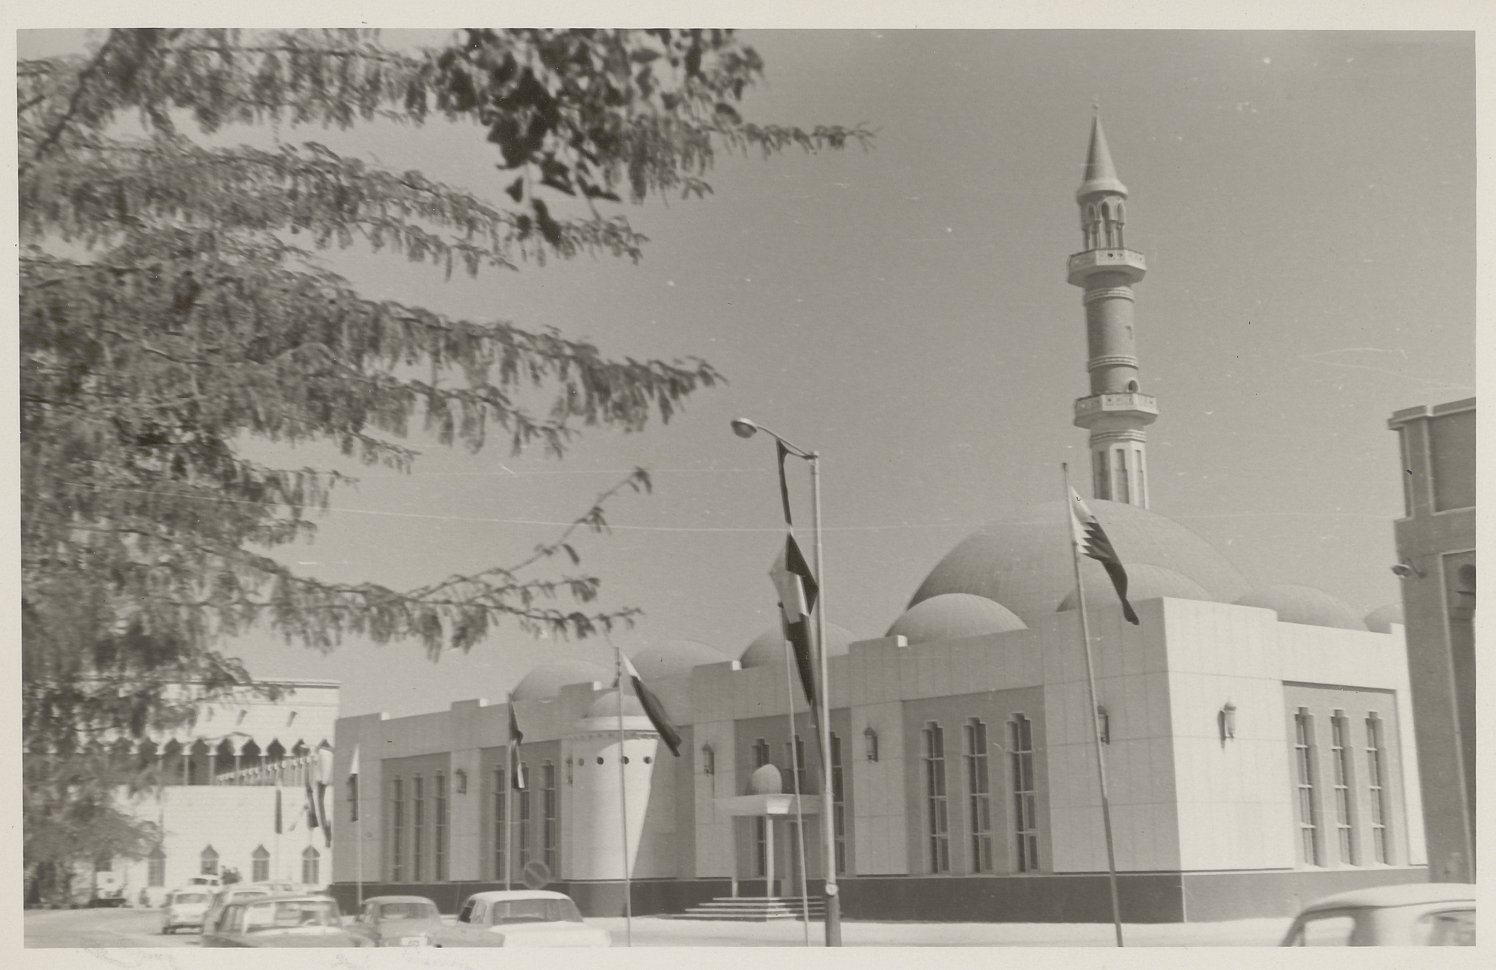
x: 605, y: 704
x: 1380, y: 620
x: 673, y: 658
x: 1023, y: 562
x: 546, y: 681
x: 1303, y: 604
x: 951, y: 616
x: 768, y: 648
x: 1144, y: 582
x: 765, y: 780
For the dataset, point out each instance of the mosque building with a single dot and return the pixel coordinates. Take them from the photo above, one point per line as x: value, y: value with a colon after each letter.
x: 1258, y: 739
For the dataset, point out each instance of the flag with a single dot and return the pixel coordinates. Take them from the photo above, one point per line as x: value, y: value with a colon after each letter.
x: 1090, y: 538
x: 784, y: 485
x: 324, y: 781
x: 353, y: 786
x: 653, y: 708
x: 309, y: 803
x: 797, y: 598
x: 516, y: 738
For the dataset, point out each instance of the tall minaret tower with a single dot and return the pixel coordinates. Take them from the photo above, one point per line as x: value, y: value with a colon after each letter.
x: 1114, y: 412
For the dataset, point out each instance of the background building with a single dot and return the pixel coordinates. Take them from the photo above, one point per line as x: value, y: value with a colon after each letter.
x: 1258, y: 736
x: 1436, y: 561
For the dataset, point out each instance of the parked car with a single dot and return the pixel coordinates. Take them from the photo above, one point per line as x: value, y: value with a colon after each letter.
x: 233, y: 894
x: 397, y: 921
x: 184, y: 909
x: 1413, y: 914
x: 298, y: 920
x: 530, y: 917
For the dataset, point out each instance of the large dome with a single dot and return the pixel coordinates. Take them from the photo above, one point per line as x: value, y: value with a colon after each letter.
x: 546, y: 681
x: 605, y: 704
x: 1380, y: 620
x: 1144, y: 582
x: 1304, y: 604
x: 768, y: 648
x: 951, y: 616
x: 1024, y: 563
x: 673, y: 658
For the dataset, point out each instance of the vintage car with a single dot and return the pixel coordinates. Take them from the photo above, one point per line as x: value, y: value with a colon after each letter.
x: 234, y: 893
x: 184, y: 908
x: 288, y: 920
x: 1413, y: 914
x: 397, y: 921
x: 528, y: 917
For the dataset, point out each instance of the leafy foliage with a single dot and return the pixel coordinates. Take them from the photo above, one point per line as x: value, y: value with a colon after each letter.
x: 173, y: 307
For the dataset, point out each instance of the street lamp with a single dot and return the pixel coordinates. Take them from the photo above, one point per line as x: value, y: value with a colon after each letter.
x: 744, y: 428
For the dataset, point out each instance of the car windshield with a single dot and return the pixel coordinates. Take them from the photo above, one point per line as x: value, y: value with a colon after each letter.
x: 290, y: 914
x: 535, y: 911
x: 189, y: 898
x: 406, y: 910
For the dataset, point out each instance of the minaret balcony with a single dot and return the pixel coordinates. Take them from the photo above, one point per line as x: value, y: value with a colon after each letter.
x: 1094, y: 262
x: 1116, y: 410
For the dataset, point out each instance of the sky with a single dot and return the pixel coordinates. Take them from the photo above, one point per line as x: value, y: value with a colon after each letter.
x: 1305, y: 202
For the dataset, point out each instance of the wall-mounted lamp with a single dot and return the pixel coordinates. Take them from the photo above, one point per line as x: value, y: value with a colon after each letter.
x: 871, y: 738
x: 1405, y: 569
x: 1227, y: 719
x: 459, y: 781
x: 1103, y: 724
x: 708, y: 760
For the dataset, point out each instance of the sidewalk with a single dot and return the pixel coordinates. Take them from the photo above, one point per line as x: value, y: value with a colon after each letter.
x: 657, y: 931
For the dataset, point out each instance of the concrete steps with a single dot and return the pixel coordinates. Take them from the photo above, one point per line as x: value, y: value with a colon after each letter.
x: 753, y: 909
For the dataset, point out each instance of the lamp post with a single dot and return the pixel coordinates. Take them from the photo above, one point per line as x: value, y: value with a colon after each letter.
x: 745, y: 428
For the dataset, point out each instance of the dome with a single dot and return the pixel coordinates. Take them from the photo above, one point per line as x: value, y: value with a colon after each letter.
x: 1144, y: 582
x: 1024, y: 562
x: 951, y: 616
x: 546, y: 681
x: 673, y: 658
x: 765, y: 780
x: 605, y: 704
x: 768, y: 648
x: 1380, y: 620
x: 1303, y: 604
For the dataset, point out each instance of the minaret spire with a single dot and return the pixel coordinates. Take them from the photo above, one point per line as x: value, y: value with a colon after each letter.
x: 1115, y: 412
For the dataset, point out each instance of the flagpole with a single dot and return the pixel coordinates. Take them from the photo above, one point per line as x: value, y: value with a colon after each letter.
x: 789, y: 681
x: 623, y: 799
x: 358, y: 855
x: 1085, y: 633
x: 828, y: 795
x: 508, y: 783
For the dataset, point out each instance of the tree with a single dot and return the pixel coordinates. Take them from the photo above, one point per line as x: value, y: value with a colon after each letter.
x: 172, y: 307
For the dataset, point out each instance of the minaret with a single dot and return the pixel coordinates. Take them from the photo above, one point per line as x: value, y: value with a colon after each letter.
x: 1114, y: 412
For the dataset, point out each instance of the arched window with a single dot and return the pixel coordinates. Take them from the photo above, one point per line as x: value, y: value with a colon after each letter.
x: 259, y: 868
x: 311, y: 866
x: 155, y: 872
x: 208, y: 862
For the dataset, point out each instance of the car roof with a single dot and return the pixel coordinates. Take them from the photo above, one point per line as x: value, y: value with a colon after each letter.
x: 498, y: 895
x: 1403, y: 894
x: 398, y: 899
x: 283, y: 898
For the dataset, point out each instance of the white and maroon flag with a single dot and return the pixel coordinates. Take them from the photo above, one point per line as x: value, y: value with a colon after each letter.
x: 797, y: 590
x: 653, y: 708
x: 1091, y: 540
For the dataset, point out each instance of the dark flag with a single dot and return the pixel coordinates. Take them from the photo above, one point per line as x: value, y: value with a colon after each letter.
x: 324, y: 781
x: 797, y: 598
x: 516, y: 738
x: 353, y: 786
x: 784, y: 486
x: 1091, y: 539
x: 653, y: 708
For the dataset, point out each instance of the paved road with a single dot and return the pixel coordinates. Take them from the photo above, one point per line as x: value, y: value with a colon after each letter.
x: 100, y: 928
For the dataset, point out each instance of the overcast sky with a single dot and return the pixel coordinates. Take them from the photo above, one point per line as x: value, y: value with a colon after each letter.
x: 1305, y: 202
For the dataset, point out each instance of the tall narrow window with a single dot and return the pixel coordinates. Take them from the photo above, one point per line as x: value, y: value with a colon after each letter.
x: 417, y: 828
x: 937, y: 825
x: 155, y: 874
x: 1142, y: 463
x: 838, y: 805
x: 1120, y: 454
x: 259, y: 865
x: 1100, y: 488
x: 496, y: 813
x: 760, y: 824
x: 1025, y: 796
x: 550, y: 816
x: 979, y: 794
x: 522, y: 857
x: 1376, y: 792
x: 353, y: 798
x: 1340, y: 756
x: 208, y: 862
x: 311, y: 866
x: 439, y: 843
x: 1303, y: 758
x: 397, y: 830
